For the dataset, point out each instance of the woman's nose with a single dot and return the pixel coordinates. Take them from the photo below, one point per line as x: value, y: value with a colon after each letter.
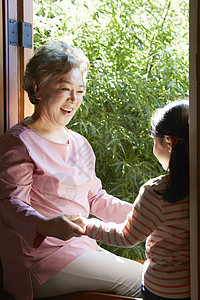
x: 73, y: 97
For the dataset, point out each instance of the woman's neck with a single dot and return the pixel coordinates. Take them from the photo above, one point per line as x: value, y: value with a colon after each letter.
x: 55, y: 134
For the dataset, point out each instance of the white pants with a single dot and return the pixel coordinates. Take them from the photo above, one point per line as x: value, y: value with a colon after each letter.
x: 99, y: 271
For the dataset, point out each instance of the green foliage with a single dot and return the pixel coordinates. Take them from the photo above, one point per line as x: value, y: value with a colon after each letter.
x: 138, y: 52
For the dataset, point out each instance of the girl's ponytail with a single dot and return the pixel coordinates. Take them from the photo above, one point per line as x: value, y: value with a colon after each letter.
x: 178, y: 185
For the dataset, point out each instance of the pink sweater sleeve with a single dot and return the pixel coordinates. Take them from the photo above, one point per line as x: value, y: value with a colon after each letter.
x: 105, y: 206
x: 16, y: 171
x: 141, y: 221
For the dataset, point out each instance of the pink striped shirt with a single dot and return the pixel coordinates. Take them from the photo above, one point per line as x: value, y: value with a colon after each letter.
x: 165, y: 226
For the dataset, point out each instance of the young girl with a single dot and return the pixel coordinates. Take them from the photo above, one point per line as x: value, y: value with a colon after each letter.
x: 160, y: 212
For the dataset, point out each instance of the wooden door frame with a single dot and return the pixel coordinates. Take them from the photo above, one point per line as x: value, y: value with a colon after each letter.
x: 14, y: 103
x: 10, y: 68
x: 194, y: 91
x: 25, y: 13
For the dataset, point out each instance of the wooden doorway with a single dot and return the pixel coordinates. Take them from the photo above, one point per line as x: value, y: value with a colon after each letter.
x: 13, y: 104
x: 195, y: 148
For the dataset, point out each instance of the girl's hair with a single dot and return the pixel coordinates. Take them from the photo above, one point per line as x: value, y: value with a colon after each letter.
x: 173, y: 120
x: 52, y: 59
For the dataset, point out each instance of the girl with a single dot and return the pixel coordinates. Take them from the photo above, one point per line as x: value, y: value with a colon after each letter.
x: 160, y: 212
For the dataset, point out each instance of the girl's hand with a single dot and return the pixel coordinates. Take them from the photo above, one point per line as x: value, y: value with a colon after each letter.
x: 85, y: 222
x: 63, y: 226
x: 77, y: 219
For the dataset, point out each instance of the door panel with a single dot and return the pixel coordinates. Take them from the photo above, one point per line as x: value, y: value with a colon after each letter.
x: 25, y: 13
x: 14, y: 105
x: 12, y: 72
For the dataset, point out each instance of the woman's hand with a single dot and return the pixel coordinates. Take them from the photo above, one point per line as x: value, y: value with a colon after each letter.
x: 63, y: 227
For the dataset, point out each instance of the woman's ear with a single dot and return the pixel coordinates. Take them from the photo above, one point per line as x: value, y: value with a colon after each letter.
x: 36, y: 91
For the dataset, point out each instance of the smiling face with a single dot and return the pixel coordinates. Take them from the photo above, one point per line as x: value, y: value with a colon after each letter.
x: 60, y: 98
x: 162, y: 151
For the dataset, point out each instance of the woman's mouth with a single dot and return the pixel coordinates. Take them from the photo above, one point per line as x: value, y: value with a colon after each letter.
x: 66, y: 111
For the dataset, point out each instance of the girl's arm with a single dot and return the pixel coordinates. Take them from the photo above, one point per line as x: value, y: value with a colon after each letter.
x: 145, y: 216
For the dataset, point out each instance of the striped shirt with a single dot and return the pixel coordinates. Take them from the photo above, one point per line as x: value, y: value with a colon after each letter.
x: 165, y: 226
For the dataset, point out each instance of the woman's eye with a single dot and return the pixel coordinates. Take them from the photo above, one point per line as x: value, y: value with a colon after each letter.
x: 64, y: 89
x: 80, y: 92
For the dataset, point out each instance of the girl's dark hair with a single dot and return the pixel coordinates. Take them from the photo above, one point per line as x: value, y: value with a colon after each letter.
x: 173, y: 120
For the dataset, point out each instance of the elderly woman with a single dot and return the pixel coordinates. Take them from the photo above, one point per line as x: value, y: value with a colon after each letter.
x: 47, y: 177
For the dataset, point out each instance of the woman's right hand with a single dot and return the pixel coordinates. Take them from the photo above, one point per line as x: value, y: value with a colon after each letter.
x: 63, y: 227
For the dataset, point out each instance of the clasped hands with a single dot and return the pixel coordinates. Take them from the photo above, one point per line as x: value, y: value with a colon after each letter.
x: 63, y: 226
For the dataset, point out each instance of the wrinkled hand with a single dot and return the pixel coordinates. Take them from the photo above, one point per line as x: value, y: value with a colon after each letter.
x: 63, y: 226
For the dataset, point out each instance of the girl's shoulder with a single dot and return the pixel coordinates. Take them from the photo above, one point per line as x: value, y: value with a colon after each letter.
x: 157, y: 184
x: 159, y: 180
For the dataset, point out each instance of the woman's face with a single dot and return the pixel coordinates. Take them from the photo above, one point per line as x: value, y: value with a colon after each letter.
x: 162, y: 151
x: 60, y: 98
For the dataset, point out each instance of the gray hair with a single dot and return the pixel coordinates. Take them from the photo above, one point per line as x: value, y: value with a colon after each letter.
x: 52, y: 59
